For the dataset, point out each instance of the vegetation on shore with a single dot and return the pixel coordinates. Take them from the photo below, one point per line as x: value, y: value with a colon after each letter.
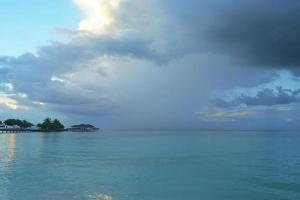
x: 17, y: 122
x: 49, y: 124
x: 83, y: 126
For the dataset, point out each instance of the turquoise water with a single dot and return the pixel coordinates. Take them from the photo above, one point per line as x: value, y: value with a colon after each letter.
x: 150, y: 166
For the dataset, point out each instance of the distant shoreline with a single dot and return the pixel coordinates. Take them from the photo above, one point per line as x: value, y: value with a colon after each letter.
x: 18, y: 130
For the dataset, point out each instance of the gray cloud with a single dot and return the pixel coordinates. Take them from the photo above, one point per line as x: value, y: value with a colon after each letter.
x: 265, y: 33
x: 32, y: 73
x: 264, y: 97
x: 255, y: 33
x: 164, y: 63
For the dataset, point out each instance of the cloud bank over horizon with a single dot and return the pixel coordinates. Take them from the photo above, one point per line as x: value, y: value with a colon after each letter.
x: 165, y: 64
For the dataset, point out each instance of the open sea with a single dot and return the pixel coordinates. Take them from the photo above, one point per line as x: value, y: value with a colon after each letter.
x: 150, y: 165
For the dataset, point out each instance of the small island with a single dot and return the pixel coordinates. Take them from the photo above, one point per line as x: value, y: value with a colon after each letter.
x: 48, y: 125
x: 83, y: 128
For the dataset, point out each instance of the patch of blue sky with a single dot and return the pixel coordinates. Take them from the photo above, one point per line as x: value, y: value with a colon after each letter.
x: 25, y: 25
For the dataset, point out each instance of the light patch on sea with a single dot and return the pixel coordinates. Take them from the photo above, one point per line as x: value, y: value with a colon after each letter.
x: 97, y: 196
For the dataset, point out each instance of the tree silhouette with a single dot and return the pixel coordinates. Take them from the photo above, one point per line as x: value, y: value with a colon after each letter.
x: 18, y: 122
x: 49, y: 124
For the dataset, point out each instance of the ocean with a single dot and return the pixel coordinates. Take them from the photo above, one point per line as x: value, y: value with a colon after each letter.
x: 150, y: 165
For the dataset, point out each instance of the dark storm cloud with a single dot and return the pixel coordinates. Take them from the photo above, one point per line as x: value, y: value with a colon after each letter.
x: 265, y: 97
x: 256, y: 33
x: 265, y: 33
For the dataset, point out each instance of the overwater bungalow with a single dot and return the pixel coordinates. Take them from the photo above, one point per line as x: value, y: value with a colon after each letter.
x: 2, y: 126
x: 13, y: 127
x: 83, y: 128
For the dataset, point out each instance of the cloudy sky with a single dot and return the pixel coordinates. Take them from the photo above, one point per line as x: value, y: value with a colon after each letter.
x: 213, y: 64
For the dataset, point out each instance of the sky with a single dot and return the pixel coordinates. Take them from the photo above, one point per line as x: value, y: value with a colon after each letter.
x: 152, y: 64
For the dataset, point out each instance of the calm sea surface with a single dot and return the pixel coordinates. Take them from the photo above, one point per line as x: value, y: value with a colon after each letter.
x: 150, y: 166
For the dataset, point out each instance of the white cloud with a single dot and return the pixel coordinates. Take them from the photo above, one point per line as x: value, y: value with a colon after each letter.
x: 7, y: 86
x: 99, y: 14
x: 57, y: 79
x: 9, y: 102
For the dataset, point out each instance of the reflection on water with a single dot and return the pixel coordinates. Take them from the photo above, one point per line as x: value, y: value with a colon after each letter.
x: 11, y: 144
x: 99, y: 197
x: 7, y: 157
x: 7, y: 151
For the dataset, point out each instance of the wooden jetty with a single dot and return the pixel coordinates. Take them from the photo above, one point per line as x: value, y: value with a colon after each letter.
x: 19, y: 130
x: 14, y: 130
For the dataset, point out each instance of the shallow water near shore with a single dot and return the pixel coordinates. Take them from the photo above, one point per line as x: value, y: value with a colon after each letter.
x: 148, y: 165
